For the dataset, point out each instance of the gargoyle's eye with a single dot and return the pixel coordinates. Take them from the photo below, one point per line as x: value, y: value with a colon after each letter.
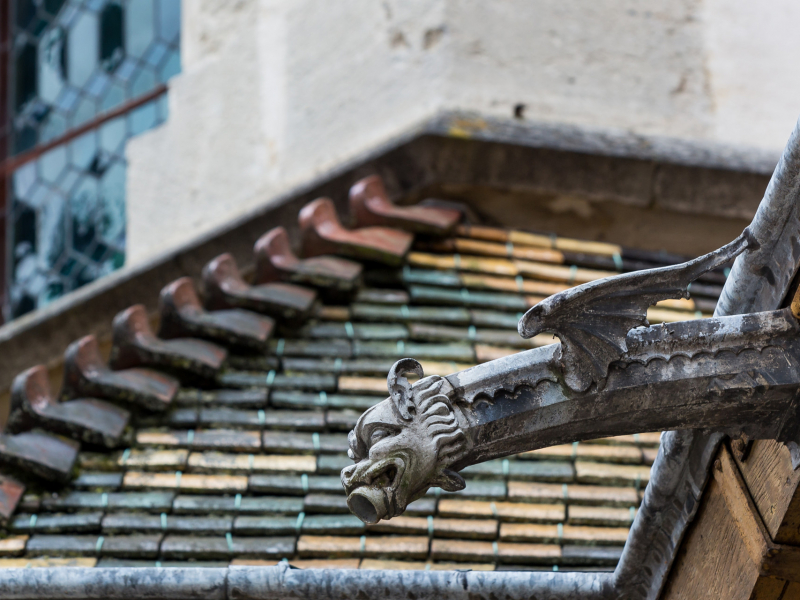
x: 377, y: 435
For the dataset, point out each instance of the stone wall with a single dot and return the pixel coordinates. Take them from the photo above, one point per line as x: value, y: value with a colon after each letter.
x: 275, y: 92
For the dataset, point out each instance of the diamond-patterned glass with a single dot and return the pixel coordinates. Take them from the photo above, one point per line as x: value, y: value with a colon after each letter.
x: 71, y: 61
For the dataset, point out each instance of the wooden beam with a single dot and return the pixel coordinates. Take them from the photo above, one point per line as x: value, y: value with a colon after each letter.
x: 773, y: 485
x: 742, y: 508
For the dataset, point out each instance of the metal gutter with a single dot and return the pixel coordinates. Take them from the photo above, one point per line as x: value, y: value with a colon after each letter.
x: 283, y: 582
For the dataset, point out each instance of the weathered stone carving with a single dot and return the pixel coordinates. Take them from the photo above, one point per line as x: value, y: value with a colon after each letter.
x: 610, y: 375
x: 593, y: 319
x: 403, y: 445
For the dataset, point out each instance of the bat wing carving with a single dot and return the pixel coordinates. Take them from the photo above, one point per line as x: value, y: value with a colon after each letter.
x: 592, y: 320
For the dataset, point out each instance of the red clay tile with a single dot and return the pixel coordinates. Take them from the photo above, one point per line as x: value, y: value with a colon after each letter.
x: 225, y: 288
x: 275, y: 261
x: 11, y: 492
x: 323, y: 234
x: 182, y: 315
x: 87, y: 419
x: 370, y: 206
x: 135, y: 345
x: 86, y: 374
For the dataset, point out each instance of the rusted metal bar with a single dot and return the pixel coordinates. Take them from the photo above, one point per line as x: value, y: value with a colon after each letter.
x: 10, y: 164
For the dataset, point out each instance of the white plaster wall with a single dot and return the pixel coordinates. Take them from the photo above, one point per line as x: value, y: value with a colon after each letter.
x: 275, y: 91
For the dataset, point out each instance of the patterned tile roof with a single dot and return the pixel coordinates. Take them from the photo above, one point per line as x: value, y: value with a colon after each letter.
x: 219, y: 439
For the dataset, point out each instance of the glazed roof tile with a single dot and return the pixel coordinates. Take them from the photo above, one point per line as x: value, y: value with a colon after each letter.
x: 234, y: 448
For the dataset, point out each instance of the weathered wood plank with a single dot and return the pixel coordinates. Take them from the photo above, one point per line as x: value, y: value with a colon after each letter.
x: 713, y: 561
x: 741, y: 507
x: 773, y: 485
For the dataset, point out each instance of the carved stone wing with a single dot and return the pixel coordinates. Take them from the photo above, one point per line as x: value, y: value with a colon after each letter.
x: 592, y: 320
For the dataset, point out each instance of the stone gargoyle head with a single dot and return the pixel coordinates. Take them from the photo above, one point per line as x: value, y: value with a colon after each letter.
x: 402, y: 446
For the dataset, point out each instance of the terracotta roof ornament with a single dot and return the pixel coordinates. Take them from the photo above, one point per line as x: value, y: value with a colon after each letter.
x: 275, y: 261
x: 87, y: 375
x: 323, y: 233
x: 370, y: 206
x: 182, y: 315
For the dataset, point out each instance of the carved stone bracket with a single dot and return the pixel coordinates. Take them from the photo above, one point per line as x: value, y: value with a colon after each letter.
x: 403, y: 445
x: 610, y: 375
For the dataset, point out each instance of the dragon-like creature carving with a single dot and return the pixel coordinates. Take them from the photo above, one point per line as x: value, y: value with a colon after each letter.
x: 611, y: 374
x: 402, y: 446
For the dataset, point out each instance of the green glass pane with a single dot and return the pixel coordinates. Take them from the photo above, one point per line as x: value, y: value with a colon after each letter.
x: 82, y: 48
x: 83, y: 150
x: 52, y: 164
x: 143, y: 118
x: 86, y: 110
x: 169, y: 19
x: 51, y: 232
x: 112, y: 135
x: 68, y: 180
x: 139, y: 27
x: 54, y: 125
x: 25, y: 68
x: 171, y: 67
x: 52, y: 6
x: 112, y: 193
x: 143, y: 82
x: 23, y: 179
x: 52, y: 64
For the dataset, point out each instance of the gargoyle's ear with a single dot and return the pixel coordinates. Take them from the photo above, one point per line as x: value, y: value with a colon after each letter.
x: 449, y: 481
x: 400, y: 388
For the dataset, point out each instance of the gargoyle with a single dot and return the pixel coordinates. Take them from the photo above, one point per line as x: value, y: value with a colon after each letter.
x: 611, y: 374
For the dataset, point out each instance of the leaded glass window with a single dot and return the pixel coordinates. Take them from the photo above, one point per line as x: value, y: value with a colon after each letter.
x: 83, y: 77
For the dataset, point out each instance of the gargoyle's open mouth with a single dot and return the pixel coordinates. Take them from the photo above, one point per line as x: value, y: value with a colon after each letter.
x: 375, y: 497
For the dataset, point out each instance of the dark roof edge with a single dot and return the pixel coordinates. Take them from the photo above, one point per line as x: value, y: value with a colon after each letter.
x: 283, y: 582
x: 606, y: 142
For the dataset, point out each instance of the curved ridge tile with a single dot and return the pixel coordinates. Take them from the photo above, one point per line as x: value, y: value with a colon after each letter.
x: 135, y: 345
x: 225, y: 288
x: 86, y: 374
x: 182, y: 315
x: 275, y: 261
x: 370, y: 206
x: 89, y: 420
x: 323, y: 233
